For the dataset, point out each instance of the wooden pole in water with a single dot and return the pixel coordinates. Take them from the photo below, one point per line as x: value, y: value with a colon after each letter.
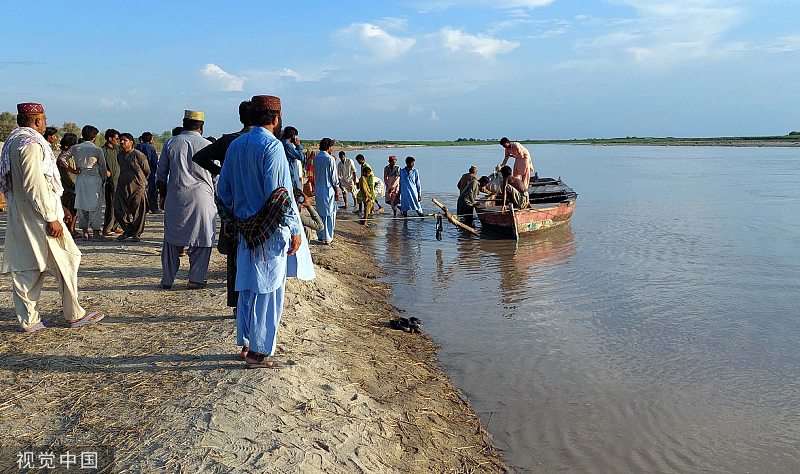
x: 453, y: 219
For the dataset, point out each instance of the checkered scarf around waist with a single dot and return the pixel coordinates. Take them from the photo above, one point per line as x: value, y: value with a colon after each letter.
x: 261, y: 226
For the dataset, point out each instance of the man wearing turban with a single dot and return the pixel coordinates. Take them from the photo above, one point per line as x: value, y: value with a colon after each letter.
x: 35, y: 238
x: 256, y: 203
x: 187, y: 199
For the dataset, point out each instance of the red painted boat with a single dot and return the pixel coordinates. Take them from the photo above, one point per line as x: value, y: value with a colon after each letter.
x: 551, y: 204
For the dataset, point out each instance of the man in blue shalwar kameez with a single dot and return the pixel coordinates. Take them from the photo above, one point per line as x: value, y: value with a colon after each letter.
x: 255, y: 174
x: 410, y: 189
x: 326, y: 187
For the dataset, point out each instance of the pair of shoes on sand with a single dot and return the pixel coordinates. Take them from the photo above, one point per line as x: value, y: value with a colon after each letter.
x: 124, y: 236
x: 411, y: 325
x: 192, y: 285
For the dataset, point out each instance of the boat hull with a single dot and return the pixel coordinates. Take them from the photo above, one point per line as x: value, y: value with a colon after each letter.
x: 526, y: 221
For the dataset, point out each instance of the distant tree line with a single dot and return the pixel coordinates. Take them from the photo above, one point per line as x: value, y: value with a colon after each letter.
x: 477, y: 140
x: 8, y: 122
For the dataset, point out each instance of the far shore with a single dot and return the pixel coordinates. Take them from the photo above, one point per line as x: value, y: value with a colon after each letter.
x: 780, y: 142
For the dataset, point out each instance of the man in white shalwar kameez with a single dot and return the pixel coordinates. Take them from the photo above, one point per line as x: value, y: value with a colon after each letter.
x: 187, y: 199
x: 326, y: 189
x: 255, y: 181
x: 35, y: 238
x: 346, y: 171
x: 90, y: 160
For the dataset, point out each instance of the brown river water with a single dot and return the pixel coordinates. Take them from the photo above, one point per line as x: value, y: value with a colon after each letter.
x: 657, y: 333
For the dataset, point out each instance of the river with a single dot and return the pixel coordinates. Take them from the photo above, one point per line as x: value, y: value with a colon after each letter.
x: 658, y: 332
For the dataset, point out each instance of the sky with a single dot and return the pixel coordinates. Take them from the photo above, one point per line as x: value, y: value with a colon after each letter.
x: 413, y: 69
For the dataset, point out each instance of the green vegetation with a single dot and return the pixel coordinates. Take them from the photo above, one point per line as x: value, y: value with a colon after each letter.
x: 8, y: 122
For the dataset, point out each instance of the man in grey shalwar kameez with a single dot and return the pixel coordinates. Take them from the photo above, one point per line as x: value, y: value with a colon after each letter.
x: 187, y: 198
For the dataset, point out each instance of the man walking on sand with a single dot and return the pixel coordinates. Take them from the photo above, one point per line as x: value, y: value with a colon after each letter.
x: 35, y: 238
x: 187, y: 199
x: 326, y: 180
x: 212, y: 158
x: 111, y: 152
x: 91, y: 162
x: 295, y: 155
x: 391, y: 180
x: 130, y: 202
x: 362, y: 163
x: 145, y: 145
x: 254, y: 198
x: 346, y: 170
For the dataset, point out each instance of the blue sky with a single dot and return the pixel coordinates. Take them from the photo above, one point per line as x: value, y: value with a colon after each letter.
x: 414, y: 69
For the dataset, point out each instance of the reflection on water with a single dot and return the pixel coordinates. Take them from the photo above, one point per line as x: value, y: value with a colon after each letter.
x: 656, y: 333
x: 517, y: 265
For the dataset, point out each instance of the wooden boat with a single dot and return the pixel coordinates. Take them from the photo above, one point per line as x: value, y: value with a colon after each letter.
x: 551, y: 204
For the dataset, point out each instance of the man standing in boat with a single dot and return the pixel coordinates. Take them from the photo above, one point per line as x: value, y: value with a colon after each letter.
x: 523, y: 166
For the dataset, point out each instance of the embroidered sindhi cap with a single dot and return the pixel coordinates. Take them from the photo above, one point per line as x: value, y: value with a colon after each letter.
x: 194, y: 115
x: 30, y: 108
x: 265, y: 102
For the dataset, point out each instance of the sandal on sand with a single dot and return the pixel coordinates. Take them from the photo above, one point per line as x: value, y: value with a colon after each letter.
x: 193, y: 285
x: 41, y: 325
x: 245, y: 350
x: 89, y: 318
x: 260, y: 361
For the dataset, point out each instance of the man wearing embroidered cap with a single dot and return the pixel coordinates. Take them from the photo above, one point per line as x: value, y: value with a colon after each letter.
x: 255, y: 201
x: 35, y: 238
x: 187, y: 199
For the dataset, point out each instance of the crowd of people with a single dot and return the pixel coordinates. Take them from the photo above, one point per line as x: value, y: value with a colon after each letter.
x: 258, y: 180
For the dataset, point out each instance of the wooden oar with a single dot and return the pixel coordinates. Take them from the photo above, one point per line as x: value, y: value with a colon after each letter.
x: 453, y: 219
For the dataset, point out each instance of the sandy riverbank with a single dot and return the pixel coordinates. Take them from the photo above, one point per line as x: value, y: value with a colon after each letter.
x: 160, y: 378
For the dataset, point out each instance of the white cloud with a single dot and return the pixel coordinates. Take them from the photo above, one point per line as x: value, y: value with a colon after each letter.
x: 641, y: 54
x: 224, y: 80
x: 550, y: 33
x: 666, y: 31
x: 117, y: 104
x: 393, y: 23
x: 415, y: 109
x: 300, y: 77
x: 498, y: 26
x: 286, y: 72
x: 381, y: 44
x: 434, y: 117
x: 484, y: 45
x: 785, y: 44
